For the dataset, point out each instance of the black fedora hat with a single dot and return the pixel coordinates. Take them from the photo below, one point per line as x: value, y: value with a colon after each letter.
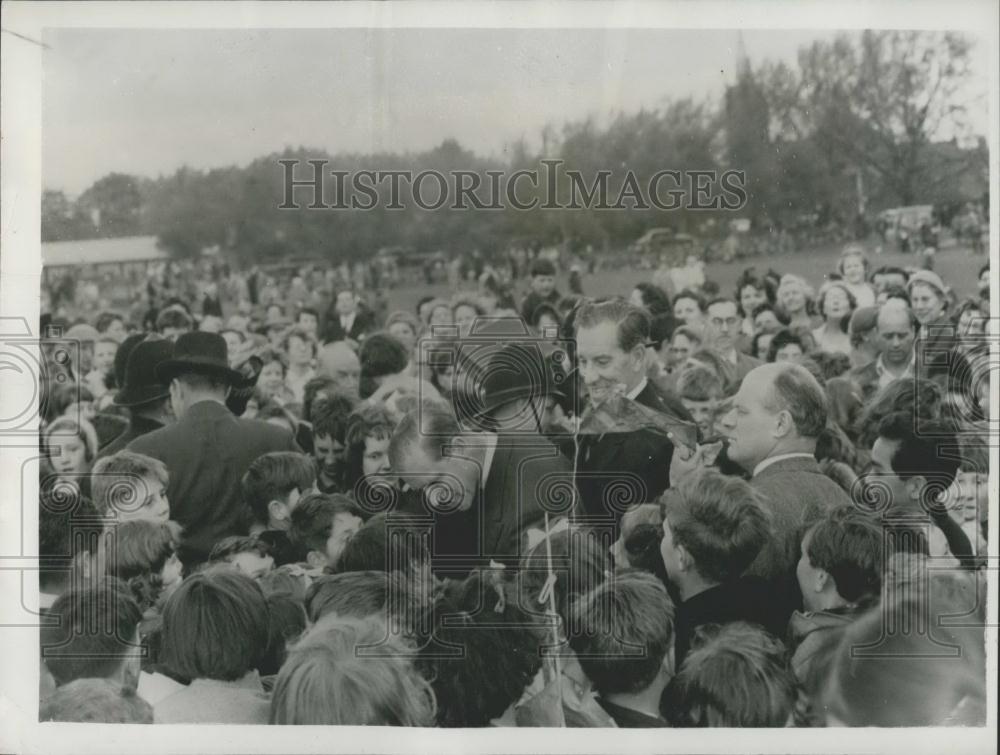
x: 522, y: 370
x: 200, y: 353
x: 139, y: 383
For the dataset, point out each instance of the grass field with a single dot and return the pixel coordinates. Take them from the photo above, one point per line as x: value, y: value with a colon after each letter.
x: 956, y: 266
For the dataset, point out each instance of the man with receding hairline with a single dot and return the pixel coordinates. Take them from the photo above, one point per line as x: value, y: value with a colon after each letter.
x: 776, y: 416
x: 896, y: 334
x: 338, y: 361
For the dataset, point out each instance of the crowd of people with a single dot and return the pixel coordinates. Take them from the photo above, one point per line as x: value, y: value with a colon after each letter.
x: 649, y: 508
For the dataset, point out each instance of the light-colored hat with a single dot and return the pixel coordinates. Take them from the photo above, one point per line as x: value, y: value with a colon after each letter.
x: 929, y: 278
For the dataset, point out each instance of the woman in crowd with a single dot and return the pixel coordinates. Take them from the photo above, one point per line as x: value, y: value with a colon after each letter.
x: 836, y: 303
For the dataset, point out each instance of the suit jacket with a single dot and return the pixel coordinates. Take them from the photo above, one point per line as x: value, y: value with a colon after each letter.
x: 137, y: 426
x: 616, y: 470
x: 207, y: 452
x: 796, y: 493
x: 364, y: 323
x: 527, y: 476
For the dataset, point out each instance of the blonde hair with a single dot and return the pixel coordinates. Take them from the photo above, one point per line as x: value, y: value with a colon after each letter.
x: 351, y: 672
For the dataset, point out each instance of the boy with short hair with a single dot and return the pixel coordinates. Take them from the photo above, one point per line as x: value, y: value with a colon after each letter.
x: 839, y: 574
x: 700, y: 390
x: 714, y: 526
x: 272, y: 487
x: 329, y: 430
x: 95, y: 635
x: 543, y: 288
x: 322, y: 525
x: 96, y: 701
x: 622, y: 633
x: 129, y: 485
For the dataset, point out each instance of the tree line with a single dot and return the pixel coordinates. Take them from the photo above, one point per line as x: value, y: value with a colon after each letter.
x: 853, y: 127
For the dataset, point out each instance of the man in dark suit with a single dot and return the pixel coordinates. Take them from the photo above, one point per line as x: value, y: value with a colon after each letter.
x: 777, y: 414
x: 722, y: 329
x: 147, y: 399
x: 208, y: 450
x: 347, y: 320
x: 618, y: 469
x: 482, y: 491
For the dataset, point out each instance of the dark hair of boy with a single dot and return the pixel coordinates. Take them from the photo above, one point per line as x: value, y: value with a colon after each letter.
x: 736, y: 675
x: 687, y: 293
x: 482, y: 615
x: 96, y: 631
x: 215, y: 626
x: 382, y: 354
x: 542, y: 266
x: 286, y: 621
x: 699, y: 383
x: 312, y: 519
x: 329, y: 416
x: 96, y: 701
x: 315, y: 386
x: 234, y: 545
x: 272, y: 477
x: 373, y: 549
x: 847, y: 545
x: 141, y: 547
x: 622, y: 632
x: 386, y: 596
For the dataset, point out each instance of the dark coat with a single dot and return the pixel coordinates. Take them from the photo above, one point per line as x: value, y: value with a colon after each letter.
x: 364, y: 323
x: 746, y: 599
x: 137, y: 426
x: 796, y: 493
x: 526, y: 472
x: 616, y: 470
x: 207, y: 452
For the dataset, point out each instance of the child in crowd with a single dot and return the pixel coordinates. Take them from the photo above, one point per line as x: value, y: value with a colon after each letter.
x: 143, y: 554
x: 94, y: 634
x: 369, y: 429
x: 321, y: 527
x: 130, y: 486
x: 248, y: 554
x: 839, y: 575
x: 713, y: 528
x: 329, y: 428
x: 215, y: 634
x: 480, y: 614
x: 622, y: 633
x: 735, y: 676
x: 700, y: 390
x: 272, y: 487
x: 327, y: 680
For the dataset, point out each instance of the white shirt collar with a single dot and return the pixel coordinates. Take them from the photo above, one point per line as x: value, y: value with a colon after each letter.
x: 490, y: 445
x: 885, y: 376
x: 780, y: 457
x: 634, y: 393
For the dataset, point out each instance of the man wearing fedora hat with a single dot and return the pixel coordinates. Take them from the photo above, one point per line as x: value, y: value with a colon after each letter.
x: 145, y: 397
x: 208, y: 450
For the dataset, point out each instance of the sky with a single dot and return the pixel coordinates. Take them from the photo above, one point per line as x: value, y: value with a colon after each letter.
x: 147, y: 102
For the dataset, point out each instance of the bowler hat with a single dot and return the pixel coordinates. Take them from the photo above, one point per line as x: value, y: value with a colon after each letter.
x: 122, y: 354
x: 140, y: 384
x: 200, y: 353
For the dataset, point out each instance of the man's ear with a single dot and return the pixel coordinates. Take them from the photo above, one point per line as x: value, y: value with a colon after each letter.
x: 783, y: 424
x: 277, y: 510
x: 822, y: 579
x: 638, y: 357
x: 684, y: 559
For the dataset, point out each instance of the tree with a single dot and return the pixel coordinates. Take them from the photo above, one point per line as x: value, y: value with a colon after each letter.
x: 115, y: 202
x: 879, y: 105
